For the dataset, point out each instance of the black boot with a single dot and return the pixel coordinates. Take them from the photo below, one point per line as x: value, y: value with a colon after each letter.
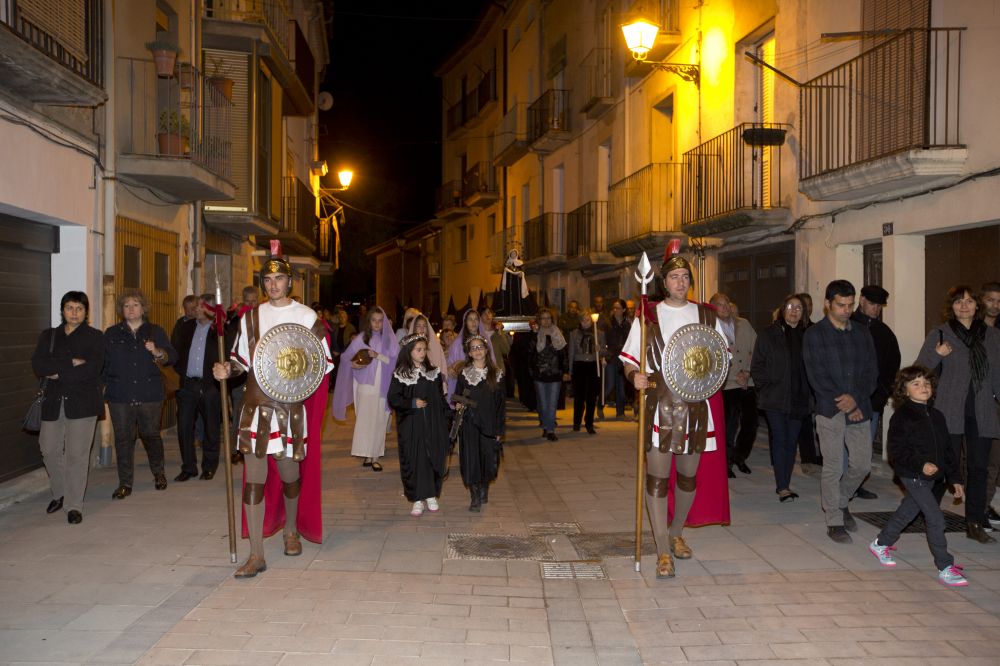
x: 476, y: 500
x: 484, y: 493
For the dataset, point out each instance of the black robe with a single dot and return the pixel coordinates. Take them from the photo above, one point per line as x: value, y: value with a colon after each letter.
x: 422, y: 433
x: 478, y: 446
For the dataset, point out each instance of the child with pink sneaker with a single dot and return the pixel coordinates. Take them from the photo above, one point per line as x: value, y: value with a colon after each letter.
x: 920, y: 453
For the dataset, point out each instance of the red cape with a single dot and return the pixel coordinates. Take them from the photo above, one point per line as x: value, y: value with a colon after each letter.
x: 711, y: 499
x: 309, y: 521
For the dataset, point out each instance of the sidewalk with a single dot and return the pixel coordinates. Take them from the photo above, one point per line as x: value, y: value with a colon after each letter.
x: 148, y: 580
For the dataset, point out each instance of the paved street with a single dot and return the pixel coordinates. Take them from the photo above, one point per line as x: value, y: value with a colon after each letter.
x: 148, y: 580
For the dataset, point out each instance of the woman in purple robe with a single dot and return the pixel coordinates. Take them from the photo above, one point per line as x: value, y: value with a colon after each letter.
x: 366, y: 385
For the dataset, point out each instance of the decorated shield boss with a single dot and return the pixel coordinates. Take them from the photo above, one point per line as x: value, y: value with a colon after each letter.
x: 289, y: 363
x: 697, y: 361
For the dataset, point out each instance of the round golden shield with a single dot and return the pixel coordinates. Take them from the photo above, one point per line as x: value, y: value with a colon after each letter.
x: 289, y: 363
x: 697, y: 361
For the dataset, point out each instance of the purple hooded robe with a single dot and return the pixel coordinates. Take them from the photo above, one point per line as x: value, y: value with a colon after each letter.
x: 382, y: 342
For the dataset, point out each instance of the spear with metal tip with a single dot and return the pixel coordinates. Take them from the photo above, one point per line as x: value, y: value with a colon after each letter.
x: 220, y: 330
x: 644, y: 275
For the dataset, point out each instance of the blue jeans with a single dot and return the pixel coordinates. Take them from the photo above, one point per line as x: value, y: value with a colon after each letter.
x: 784, y: 440
x: 547, y: 395
x: 614, y: 380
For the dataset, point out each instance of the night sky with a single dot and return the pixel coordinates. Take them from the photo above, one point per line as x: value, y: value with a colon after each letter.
x: 386, y: 120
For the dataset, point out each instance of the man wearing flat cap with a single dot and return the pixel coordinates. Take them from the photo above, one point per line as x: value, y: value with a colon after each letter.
x: 887, y: 356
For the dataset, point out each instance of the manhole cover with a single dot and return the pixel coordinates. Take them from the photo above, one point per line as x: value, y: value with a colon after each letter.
x: 952, y: 521
x: 598, y: 545
x: 498, y: 547
x: 573, y: 570
x: 539, y: 529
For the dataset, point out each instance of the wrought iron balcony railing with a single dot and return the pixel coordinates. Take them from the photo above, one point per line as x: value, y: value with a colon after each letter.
x: 739, y: 169
x: 68, y: 32
x: 181, y: 117
x: 473, y: 102
x: 298, y: 208
x: 479, y: 180
x: 587, y: 229
x: 274, y: 14
x: 902, y: 94
x: 643, y: 207
x: 449, y: 196
x: 597, y: 68
x: 548, y: 113
x: 545, y: 236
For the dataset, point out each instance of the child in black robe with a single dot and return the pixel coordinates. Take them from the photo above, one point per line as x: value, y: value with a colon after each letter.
x: 480, y: 383
x: 417, y: 394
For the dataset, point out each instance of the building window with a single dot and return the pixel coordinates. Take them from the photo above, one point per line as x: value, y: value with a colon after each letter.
x: 463, y: 243
x: 131, y: 267
x: 161, y: 272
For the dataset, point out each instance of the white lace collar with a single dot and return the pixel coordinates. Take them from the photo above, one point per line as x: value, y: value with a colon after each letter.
x: 474, y: 375
x: 414, y: 377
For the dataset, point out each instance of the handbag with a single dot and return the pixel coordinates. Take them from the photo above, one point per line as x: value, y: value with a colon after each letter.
x: 33, y: 419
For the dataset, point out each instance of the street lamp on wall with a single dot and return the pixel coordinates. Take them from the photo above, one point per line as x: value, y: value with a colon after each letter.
x: 640, y: 37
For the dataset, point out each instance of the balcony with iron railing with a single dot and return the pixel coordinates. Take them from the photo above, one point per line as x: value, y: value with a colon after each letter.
x: 510, y: 143
x: 173, y: 133
x: 479, y: 187
x: 326, y: 245
x: 270, y: 24
x: 502, y: 242
x: 732, y: 182
x: 474, y: 105
x: 548, y: 121
x: 886, y: 121
x: 299, y: 225
x: 449, y: 201
x: 53, y: 52
x: 587, y: 237
x: 544, y: 242
x: 597, y: 71
x: 644, y: 210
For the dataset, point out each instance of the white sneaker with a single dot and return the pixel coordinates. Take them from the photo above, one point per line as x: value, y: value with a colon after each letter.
x: 418, y: 509
x: 432, y: 504
x: 883, y: 553
x: 952, y: 577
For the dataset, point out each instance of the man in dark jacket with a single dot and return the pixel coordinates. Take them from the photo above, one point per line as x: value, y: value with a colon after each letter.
x: 840, y: 362
x: 873, y: 299
x: 197, y: 351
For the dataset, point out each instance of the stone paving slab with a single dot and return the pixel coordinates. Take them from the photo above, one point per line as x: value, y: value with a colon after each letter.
x: 147, y: 580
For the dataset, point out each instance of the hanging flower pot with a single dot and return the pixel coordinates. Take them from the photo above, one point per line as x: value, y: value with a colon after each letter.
x: 764, y: 136
x: 224, y: 85
x: 164, y: 56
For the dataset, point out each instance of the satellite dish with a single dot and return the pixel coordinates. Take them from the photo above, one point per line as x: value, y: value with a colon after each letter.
x: 325, y: 101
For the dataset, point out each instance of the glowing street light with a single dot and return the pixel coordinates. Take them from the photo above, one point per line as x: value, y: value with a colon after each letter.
x: 640, y: 37
x: 345, y: 176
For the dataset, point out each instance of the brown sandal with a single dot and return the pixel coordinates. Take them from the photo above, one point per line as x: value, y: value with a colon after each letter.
x: 664, y: 566
x: 293, y: 546
x: 254, y: 565
x: 680, y: 549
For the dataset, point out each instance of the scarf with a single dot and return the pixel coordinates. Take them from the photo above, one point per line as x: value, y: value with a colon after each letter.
x: 973, y: 338
x: 554, y: 334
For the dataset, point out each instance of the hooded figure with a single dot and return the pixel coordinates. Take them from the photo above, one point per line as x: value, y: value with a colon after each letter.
x: 435, y: 352
x: 366, y: 385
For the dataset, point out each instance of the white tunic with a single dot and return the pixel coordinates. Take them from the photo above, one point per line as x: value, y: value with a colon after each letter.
x: 270, y: 316
x: 670, y: 319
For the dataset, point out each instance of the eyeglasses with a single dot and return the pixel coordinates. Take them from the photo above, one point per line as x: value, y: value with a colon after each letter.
x: 793, y: 308
x: 477, y: 348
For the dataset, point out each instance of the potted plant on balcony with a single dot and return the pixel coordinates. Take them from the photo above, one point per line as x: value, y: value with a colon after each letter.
x: 764, y: 136
x: 164, y: 55
x: 219, y: 78
x: 174, y: 134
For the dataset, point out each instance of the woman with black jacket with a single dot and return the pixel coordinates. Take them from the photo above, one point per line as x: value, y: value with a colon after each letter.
x: 549, y: 370
x: 71, y: 357
x: 779, y: 374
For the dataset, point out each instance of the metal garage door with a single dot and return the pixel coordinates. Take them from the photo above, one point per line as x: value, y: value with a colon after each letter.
x: 25, y: 270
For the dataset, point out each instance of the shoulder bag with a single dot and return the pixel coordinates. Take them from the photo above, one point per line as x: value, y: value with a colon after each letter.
x: 33, y: 419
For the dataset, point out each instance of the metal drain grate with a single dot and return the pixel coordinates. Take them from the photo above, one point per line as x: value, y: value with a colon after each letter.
x: 598, y: 545
x: 541, y: 529
x: 952, y: 521
x: 573, y: 570
x: 498, y: 547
